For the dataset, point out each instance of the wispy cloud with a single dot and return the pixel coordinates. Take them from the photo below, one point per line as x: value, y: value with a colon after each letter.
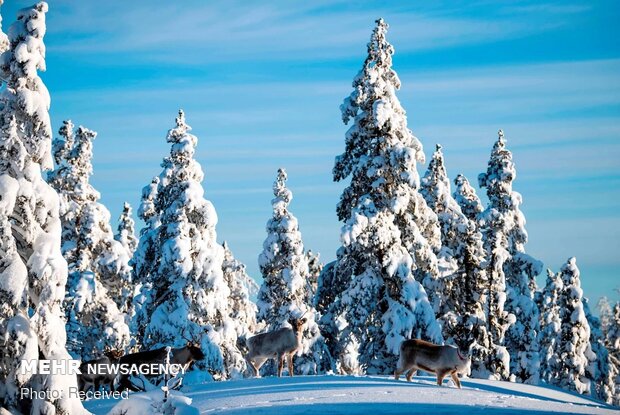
x: 196, y: 32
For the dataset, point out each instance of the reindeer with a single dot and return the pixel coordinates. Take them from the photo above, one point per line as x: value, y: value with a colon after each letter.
x: 276, y: 344
x: 441, y: 360
x: 184, y: 356
x: 89, y: 378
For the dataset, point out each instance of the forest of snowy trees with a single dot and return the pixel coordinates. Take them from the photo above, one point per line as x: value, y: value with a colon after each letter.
x: 421, y: 257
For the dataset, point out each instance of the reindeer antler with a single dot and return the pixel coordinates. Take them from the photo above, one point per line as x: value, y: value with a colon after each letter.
x: 183, y: 331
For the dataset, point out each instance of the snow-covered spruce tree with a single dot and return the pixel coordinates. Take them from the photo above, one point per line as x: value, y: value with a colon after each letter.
x: 466, y: 197
x: 380, y: 157
x: 574, y: 340
x: 600, y: 369
x: 33, y: 272
x: 189, y: 293
x: 242, y: 310
x: 126, y: 230
x: 461, y: 264
x: 435, y: 188
x: 143, y: 263
x: 315, y: 267
x: 284, y: 291
x: 509, y: 269
x: 98, y: 287
x: 550, y: 325
x: 390, y: 235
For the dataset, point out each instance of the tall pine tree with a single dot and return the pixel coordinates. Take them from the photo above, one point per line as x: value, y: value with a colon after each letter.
x: 511, y: 271
x: 574, y: 341
x: 461, y: 261
x: 242, y: 311
x: 390, y: 235
x: 126, y: 230
x: 284, y: 292
x: 600, y: 369
x: 550, y: 326
x: 33, y: 272
x: 189, y: 296
x: 98, y: 287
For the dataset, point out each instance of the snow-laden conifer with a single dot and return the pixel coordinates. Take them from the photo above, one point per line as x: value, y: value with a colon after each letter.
x: 284, y: 291
x: 466, y: 197
x: 126, y: 230
x: 550, y: 326
x: 188, y: 293
x: 143, y: 263
x: 33, y: 271
x: 380, y: 158
x: 461, y: 261
x: 242, y: 310
x: 511, y: 272
x: 574, y: 340
x: 315, y: 267
x: 435, y: 188
x: 600, y: 369
x: 390, y: 235
x: 98, y: 287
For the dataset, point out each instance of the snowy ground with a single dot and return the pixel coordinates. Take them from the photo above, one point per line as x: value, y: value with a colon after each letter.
x: 375, y: 395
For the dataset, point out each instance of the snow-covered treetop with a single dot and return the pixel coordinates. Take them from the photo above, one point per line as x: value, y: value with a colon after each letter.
x: 465, y: 195
x: 378, y: 144
x: 26, y: 96
x: 436, y: 186
x: 81, y: 156
x: 283, y: 196
x: 73, y: 156
x: 499, y: 176
x: 126, y: 234
x: 282, y: 263
x: 570, y: 273
x: 146, y: 210
x: 181, y: 174
x: 503, y: 199
x: 63, y: 144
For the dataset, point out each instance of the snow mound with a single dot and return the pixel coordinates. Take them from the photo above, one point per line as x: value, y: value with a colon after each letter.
x: 371, y: 394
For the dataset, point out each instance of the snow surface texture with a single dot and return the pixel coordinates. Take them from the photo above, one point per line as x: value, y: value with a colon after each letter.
x: 363, y: 395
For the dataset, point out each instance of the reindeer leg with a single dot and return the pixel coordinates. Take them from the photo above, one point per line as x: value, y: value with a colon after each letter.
x: 280, y: 365
x: 290, y: 364
x: 440, y: 376
x: 250, y: 364
x: 398, y: 371
x: 412, y: 371
x: 455, y: 378
x: 259, y: 363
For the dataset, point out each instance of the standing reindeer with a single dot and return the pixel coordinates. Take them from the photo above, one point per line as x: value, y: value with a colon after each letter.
x: 275, y: 344
x: 434, y: 358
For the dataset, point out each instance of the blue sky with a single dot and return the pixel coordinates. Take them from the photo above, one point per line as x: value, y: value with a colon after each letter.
x: 261, y: 83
